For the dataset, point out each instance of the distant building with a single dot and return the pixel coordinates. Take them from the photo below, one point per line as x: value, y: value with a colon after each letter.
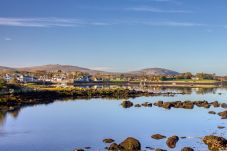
x: 7, y: 77
x: 84, y: 79
x: 26, y: 79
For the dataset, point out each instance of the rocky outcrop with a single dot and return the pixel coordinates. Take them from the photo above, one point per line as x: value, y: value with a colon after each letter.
x: 172, y: 141
x: 126, y: 104
x: 130, y: 144
x: 215, y: 143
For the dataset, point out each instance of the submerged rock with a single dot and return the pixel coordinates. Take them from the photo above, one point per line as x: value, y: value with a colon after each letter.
x: 108, y: 140
x: 149, y: 148
x: 187, y: 149
x: 137, y: 105
x: 212, y: 112
x: 215, y: 143
x: 172, y: 141
x: 224, y: 105
x: 127, y: 104
x: 221, y: 127
x: 158, y: 136
x: 147, y: 104
x: 130, y: 144
x: 159, y: 149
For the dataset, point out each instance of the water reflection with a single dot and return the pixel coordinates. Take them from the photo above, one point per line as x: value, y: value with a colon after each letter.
x: 3, y: 115
x: 65, y: 125
x: 180, y: 89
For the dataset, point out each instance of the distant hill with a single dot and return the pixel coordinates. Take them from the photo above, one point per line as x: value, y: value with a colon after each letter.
x: 6, y: 68
x: 68, y: 68
x: 55, y: 67
x: 154, y: 71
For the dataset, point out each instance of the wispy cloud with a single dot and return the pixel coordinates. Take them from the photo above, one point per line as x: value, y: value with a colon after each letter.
x: 102, y: 68
x: 156, y: 10
x: 47, y: 22
x: 7, y: 39
x: 175, y: 24
x: 172, y: 1
x: 65, y: 22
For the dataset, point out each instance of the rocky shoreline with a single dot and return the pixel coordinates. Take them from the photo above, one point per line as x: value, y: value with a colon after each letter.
x: 181, y: 105
x: 14, y: 101
x: 214, y: 143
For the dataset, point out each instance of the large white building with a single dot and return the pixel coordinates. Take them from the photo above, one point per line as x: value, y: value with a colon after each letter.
x: 26, y: 79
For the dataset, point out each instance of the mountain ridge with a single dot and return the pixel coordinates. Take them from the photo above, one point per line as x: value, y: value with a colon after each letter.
x: 69, y: 68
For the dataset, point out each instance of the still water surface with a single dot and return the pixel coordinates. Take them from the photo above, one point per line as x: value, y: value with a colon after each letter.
x: 65, y: 125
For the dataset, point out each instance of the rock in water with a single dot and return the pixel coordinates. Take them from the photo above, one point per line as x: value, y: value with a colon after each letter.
x: 187, y: 149
x: 158, y: 136
x: 127, y: 104
x: 159, y: 149
x: 172, y: 141
x: 224, y: 105
x: 130, y: 144
x: 113, y: 147
x: 108, y: 140
x: 215, y: 143
x: 212, y: 112
x: 223, y: 114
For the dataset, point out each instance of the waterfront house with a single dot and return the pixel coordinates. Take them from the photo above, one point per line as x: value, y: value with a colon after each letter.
x: 84, y: 79
x: 7, y: 77
x: 27, y: 79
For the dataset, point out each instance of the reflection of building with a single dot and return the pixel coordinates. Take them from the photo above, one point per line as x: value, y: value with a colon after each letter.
x: 195, y: 78
x: 2, y: 118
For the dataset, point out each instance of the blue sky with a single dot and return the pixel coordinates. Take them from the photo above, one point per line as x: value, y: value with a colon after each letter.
x: 115, y: 35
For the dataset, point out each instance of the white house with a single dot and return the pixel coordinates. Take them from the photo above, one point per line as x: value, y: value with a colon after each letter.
x: 7, y: 77
x: 26, y: 79
x: 84, y: 79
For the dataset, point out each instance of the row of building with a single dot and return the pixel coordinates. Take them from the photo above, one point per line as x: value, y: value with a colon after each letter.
x: 55, y: 79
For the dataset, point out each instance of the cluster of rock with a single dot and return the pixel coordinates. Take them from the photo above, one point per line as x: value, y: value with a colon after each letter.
x: 215, y: 143
x: 128, y: 144
x: 181, y: 104
x: 170, y: 142
x: 132, y: 144
x: 189, y: 104
x: 128, y: 104
x: 177, y: 104
x: 145, y: 104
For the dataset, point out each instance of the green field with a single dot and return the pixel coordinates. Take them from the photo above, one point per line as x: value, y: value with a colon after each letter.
x: 194, y: 81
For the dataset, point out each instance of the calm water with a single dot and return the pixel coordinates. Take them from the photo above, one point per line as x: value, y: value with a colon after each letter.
x: 63, y: 126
